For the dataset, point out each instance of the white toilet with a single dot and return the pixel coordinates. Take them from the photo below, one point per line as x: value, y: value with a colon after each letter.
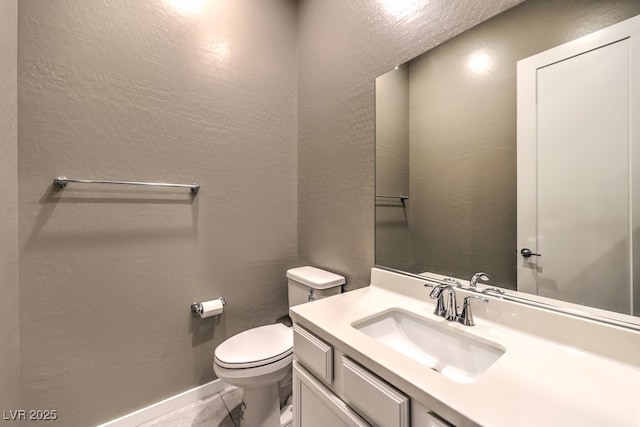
x: 259, y: 359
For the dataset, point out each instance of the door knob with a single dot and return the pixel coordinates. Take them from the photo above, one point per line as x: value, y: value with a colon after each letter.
x: 526, y: 252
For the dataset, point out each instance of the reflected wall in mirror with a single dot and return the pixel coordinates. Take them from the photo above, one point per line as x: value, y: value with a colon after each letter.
x: 446, y: 138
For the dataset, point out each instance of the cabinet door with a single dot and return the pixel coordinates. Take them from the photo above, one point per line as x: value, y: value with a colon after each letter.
x: 316, y: 406
x: 377, y: 401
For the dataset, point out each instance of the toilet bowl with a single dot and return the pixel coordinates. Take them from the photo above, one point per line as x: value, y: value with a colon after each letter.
x: 259, y: 359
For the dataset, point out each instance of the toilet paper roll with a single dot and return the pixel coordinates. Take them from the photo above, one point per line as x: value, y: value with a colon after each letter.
x: 212, y: 308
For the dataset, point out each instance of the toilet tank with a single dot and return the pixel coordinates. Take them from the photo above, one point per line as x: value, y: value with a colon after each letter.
x: 310, y: 283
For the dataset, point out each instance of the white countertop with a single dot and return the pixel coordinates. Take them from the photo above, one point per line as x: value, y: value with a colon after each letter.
x: 536, y: 382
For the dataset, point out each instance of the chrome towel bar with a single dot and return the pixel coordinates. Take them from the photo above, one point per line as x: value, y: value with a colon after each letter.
x: 403, y: 198
x: 62, y: 182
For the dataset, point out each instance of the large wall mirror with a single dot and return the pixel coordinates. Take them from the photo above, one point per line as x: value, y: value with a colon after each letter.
x: 446, y: 154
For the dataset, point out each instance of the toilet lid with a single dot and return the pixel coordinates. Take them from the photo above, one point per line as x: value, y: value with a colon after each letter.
x: 256, y: 347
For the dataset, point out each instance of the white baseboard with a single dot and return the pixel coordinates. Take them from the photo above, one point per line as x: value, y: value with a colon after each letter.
x: 168, y: 405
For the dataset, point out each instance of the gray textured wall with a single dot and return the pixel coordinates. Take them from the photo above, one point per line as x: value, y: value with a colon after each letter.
x: 9, y: 333
x: 393, y: 240
x: 142, y: 91
x: 463, y: 135
x: 343, y: 47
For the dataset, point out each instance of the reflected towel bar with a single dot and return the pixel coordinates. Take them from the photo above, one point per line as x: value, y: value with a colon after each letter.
x: 403, y: 198
x: 62, y: 182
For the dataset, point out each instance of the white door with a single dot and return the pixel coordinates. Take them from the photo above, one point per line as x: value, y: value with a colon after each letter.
x: 578, y: 118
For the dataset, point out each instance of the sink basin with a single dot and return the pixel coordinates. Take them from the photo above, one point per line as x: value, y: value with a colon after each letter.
x: 453, y: 353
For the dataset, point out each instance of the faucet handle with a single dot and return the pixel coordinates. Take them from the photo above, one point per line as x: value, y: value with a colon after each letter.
x: 494, y: 290
x: 466, y: 317
x: 452, y: 281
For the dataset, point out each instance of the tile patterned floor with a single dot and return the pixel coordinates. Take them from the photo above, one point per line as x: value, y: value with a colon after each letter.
x: 218, y: 410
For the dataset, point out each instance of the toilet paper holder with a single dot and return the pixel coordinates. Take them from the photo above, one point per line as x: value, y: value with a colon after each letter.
x: 196, y: 307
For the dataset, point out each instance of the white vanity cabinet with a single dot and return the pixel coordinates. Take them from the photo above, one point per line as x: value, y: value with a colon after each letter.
x: 366, y: 352
x: 330, y: 389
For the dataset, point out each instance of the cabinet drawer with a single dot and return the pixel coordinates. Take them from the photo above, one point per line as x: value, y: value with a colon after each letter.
x: 421, y: 416
x: 375, y: 399
x: 316, y: 406
x: 313, y: 353
x: 435, y: 421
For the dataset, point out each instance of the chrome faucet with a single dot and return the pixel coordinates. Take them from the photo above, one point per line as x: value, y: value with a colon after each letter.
x: 447, y: 309
x: 478, y: 276
x: 446, y: 305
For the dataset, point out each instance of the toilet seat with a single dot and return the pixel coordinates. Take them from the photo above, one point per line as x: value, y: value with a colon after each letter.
x: 255, y: 347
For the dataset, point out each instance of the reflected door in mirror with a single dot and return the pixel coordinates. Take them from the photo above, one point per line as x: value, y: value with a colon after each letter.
x: 575, y: 178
